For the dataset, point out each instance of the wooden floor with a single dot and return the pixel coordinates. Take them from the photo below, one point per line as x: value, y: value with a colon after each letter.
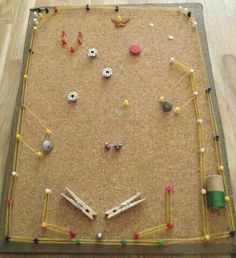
x: 220, y: 22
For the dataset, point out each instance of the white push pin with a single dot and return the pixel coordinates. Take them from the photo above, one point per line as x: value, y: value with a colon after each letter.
x: 180, y: 8
x: 171, y: 37
x: 185, y: 11
x: 14, y: 173
x: 202, y: 150
x: 151, y: 24
x: 48, y: 191
x: 99, y: 236
x: 195, y: 93
x: 191, y: 71
x: 35, y: 21
x: 203, y: 191
x: 194, y: 24
x: 172, y: 59
x: 200, y: 120
x: 35, y: 14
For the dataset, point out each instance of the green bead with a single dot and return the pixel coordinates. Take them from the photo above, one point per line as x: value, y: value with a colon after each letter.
x: 160, y: 242
x: 77, y: 241
x: 167, y: 106
x: 124, y: 242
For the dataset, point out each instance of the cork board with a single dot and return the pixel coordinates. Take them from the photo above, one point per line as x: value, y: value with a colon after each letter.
x: 158, y: 148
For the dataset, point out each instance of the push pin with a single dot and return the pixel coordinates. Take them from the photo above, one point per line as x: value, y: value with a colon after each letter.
x: 47, y: 146
x: 46, y: 10
x: 72, y: 233
x: 194, y: 24
x: 108, y: 146
x: 126, y: 103
x: 189, y: 14
x: 117, y: 146
x: 36, y: 241
x: 208, y: 90
x: 55, y: 9
x: 87, y: 7
x: 117, y: 8
x: 99, y: 236
x: 72, y: 49
x: 217, y: 138
x: 166, y: 106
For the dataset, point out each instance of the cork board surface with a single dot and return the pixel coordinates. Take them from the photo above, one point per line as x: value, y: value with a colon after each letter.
x: 158, y: 148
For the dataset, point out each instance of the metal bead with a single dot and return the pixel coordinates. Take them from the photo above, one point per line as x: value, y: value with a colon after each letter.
x: 167, y: 106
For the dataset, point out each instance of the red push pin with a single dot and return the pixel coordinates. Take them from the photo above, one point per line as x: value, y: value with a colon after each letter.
x: 135, y: 49
x: 136, y: 236
x: 169, y: 225
x: 63, y: 42
x: 9, y: 202
x: 72, y: 233
x: 169, y: 188
x: 72, y: 50
x: 79, y: 42
x: 55, y: 9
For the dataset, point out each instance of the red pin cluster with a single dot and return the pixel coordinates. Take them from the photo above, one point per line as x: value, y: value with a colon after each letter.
x: 72, y: 48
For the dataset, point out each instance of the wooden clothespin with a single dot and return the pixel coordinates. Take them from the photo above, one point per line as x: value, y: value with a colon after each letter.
x: 123, y: 206
x: 78, y: 203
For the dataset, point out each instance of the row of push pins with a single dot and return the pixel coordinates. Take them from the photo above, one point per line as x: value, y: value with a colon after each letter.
x: 39, y: 14
x: 64, y: 41
x: 110, y: 146
x: 186, y: 12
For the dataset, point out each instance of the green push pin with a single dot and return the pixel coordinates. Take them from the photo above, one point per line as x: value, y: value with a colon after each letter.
x: 160, y: 242
x: 124, y: 242
x: 77, y: 241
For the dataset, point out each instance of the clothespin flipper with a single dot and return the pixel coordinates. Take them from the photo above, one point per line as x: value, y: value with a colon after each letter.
x: 124, y: 206
x: 78, y: 203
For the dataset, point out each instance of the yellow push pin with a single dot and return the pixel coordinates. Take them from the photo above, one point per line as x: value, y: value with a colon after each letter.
x: 207, y: 237
x: 126, y: 103
x: 177, y: 110
x: 119, y: 18
x: 227, y: 198
x: 34, y: 28
x: 221, y: 168
x: 40, y: 16
x: 25, y: 76
x: 44, y: 225
x: 18, y: 137
x: 48, y: 131
x: 161, y: 99
x: 39, y: 154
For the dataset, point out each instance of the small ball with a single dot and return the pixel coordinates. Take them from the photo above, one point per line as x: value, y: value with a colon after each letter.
x: 221, y: 168
x: 136, y: 236
x: 119, y: 18
x: 207, y: 237
x: 99, y: 235
x: 35, y: 14
x: 126, y: 103
x: 47, y: 146
x: 25, y: 76
x: 195, y: 93
x: 172, y: 59
x: 202, y: 150
x: 161, y: 99
x: 166, y: 106
x: 151, y: 24
x: 203, y: 191
x: 160, y: 242
x: 34, y: 28
x: 18, y: 137
x: 185, y: 10
x: 171, y: 37
x: 39, y: 154
x: 191, y: 70
x: 48, y: 191
x: 177, y: 110
x: 72, y: 233
x: 200, y: 120
x: 77, y: 241
x: 135, y: 49
x: 14, y: 173
x: 227, y: 198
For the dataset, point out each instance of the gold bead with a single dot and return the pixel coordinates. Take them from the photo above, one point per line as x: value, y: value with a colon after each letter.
x: 227, y: 198
x: 18, y: 137
x: 25, y: 76
x: 161, y: 99
x: 48, y: 131
x: 221, y: 168
x: 119, y: 18
x: 44, y: 225
x: 34, y: 28
x: 126, y: 103
x: 207, y: 237
x: 39, y: 154
x: 177, y: 110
